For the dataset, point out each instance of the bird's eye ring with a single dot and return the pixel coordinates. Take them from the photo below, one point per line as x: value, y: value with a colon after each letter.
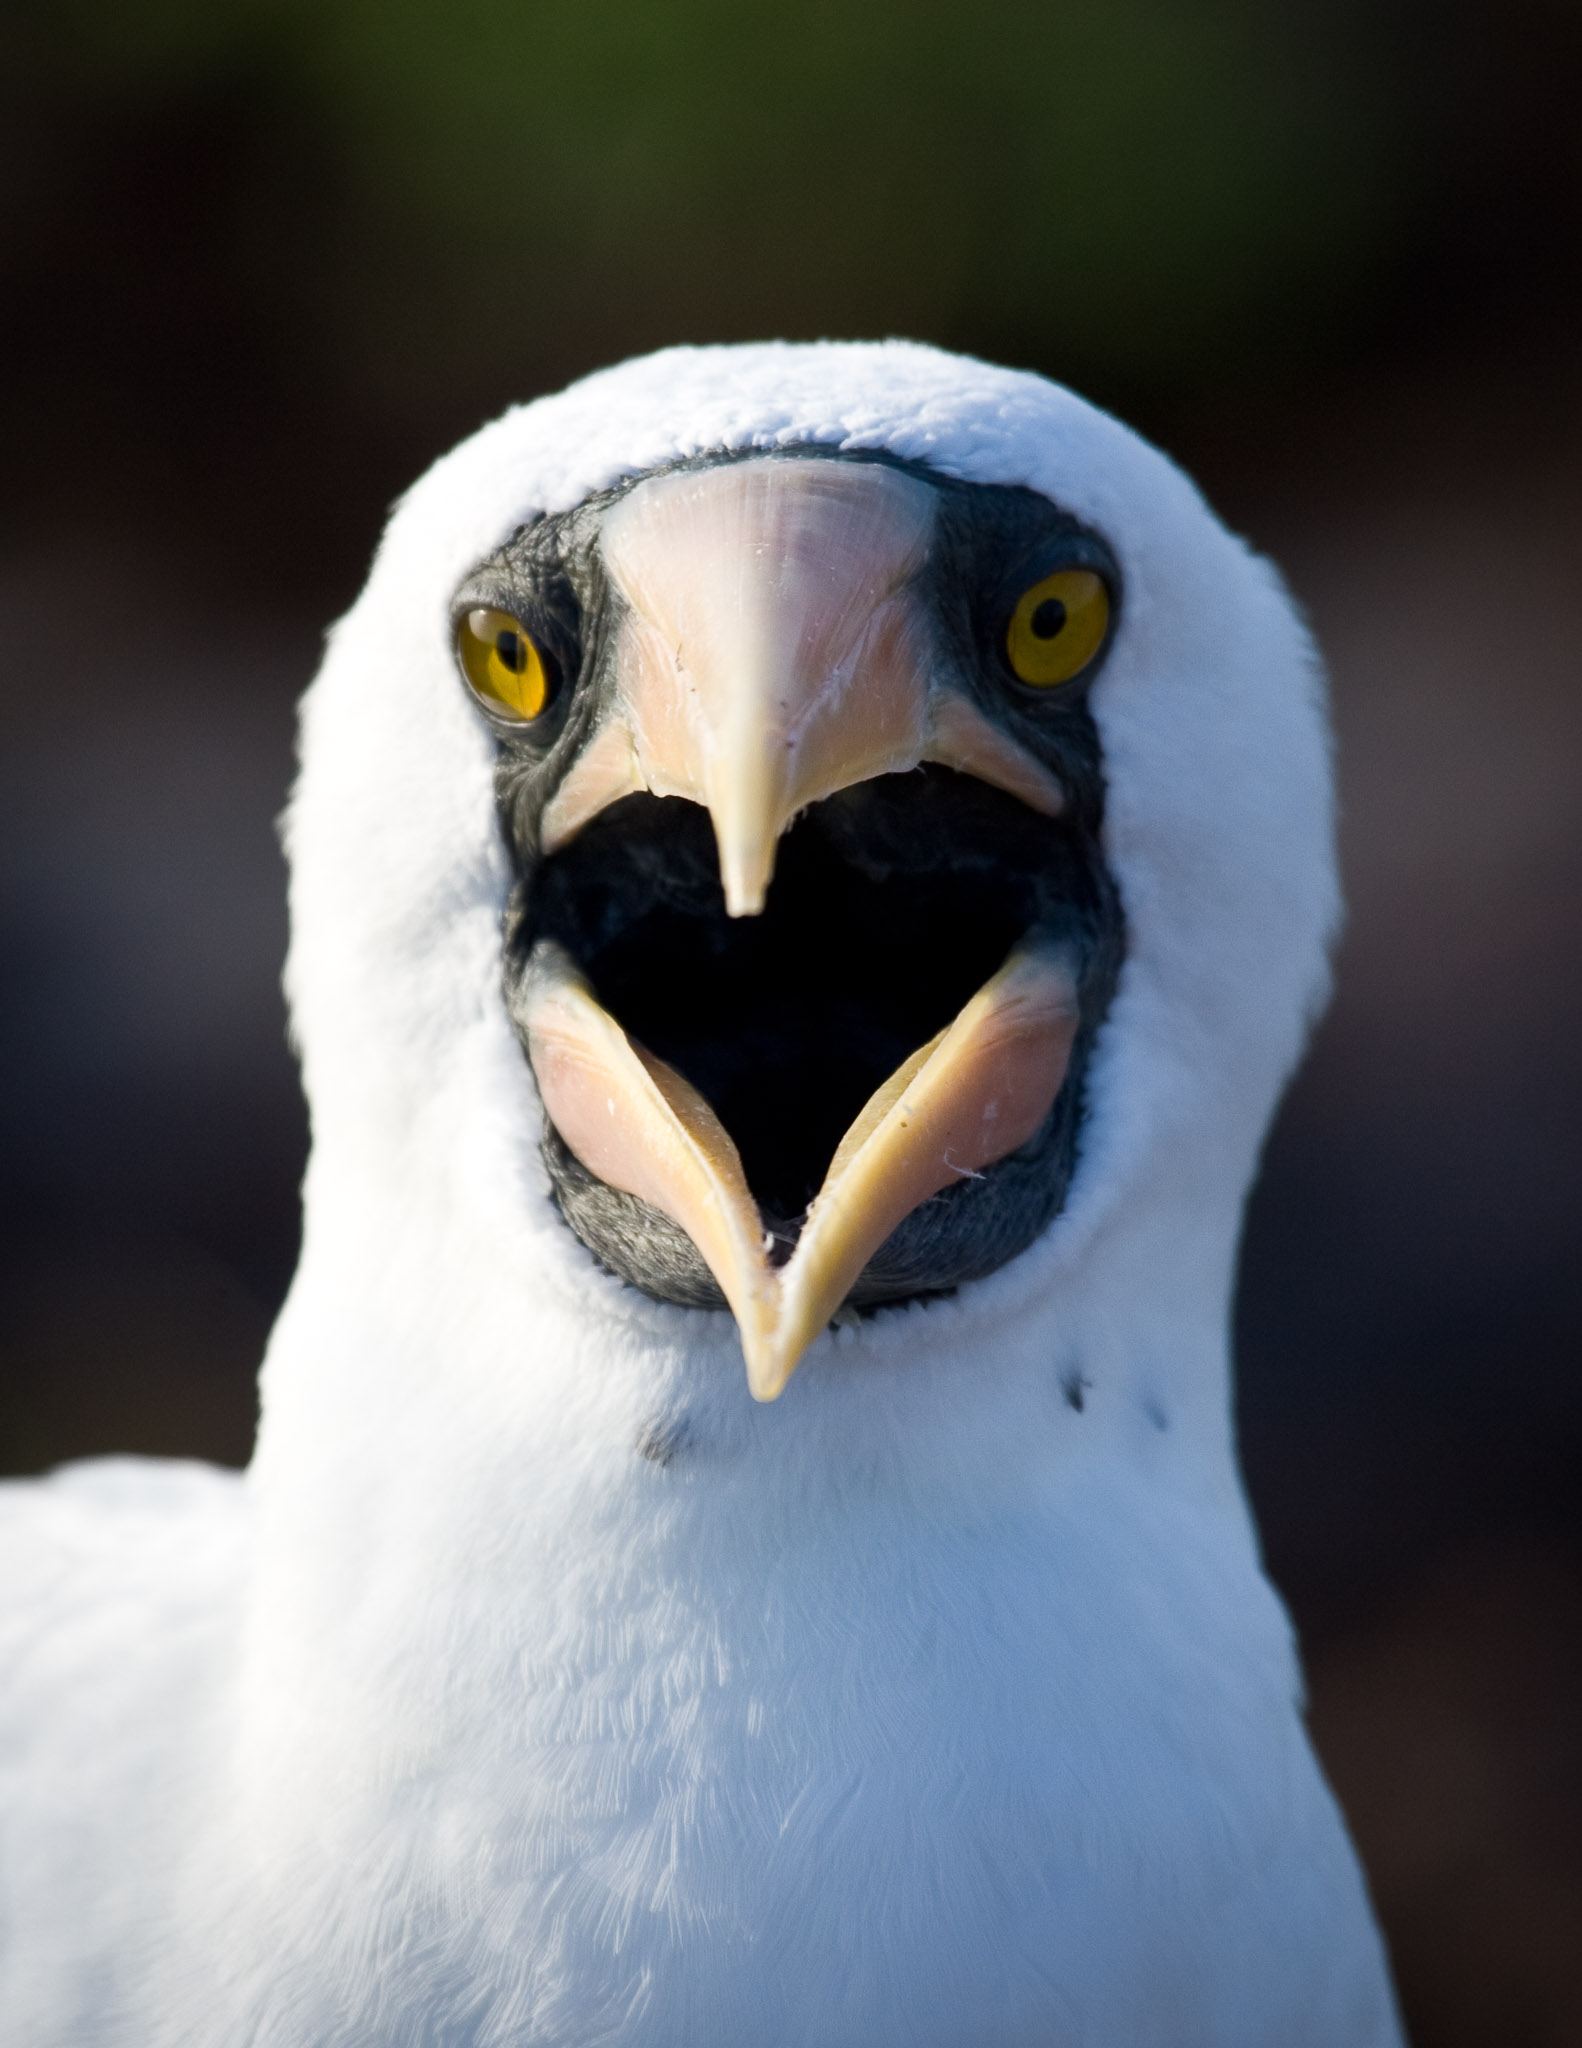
x: 504, y: 666
x: 1057, y: 628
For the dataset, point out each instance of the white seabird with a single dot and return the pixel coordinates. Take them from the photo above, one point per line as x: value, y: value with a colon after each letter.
x: 538, y: 1684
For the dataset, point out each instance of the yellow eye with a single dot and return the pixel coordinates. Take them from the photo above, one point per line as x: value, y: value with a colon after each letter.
x: 1057, y: 627
x: 502, y: 664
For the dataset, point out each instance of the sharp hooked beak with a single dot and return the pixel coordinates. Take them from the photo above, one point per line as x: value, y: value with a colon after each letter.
x: 772, y: 649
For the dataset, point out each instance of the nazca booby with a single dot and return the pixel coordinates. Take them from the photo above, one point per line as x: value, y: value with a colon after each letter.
x: 738, y: 738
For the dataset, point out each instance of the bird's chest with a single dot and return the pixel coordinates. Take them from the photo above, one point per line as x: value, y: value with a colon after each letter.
x: 854, y: 1791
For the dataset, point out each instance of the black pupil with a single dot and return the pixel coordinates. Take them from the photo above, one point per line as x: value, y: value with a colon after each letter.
x: 512, y: 650
x: 1047, y: 621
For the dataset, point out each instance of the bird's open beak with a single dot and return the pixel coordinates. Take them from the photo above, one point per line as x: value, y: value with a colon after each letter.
x: 771, y: 651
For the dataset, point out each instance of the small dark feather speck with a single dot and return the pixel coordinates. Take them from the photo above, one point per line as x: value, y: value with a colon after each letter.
x: 659, y: 1442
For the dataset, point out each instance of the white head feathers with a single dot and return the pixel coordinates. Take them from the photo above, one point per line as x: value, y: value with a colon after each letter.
x: 1218, y: 833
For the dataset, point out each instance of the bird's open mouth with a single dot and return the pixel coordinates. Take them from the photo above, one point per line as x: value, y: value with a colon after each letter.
x: 816, y: 1096
x: 813, y: 933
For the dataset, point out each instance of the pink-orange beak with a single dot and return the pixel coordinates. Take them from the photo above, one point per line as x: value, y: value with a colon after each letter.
x: 772, y: 649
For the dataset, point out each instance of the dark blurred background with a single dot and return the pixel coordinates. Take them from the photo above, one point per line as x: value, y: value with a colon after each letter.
x: 261, y: 263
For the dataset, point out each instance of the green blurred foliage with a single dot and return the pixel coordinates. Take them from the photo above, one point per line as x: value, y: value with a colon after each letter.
x: 500, y: 192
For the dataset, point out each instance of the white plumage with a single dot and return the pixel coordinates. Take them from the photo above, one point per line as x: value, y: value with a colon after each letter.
x: 534, y: 1685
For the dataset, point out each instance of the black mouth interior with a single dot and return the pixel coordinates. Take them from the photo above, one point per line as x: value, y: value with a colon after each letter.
x: 892, y: 903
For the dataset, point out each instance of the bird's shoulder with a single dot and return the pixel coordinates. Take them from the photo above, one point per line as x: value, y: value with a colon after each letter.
x: 112, y: 1573
x: 120, y: 1584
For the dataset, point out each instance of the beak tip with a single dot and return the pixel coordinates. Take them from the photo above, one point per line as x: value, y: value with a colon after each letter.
x: 767, y: 1372
x: 747, y: 826
x: 745, y: 882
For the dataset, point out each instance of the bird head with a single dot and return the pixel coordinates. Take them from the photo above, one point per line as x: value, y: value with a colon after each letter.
x: 828, y: 823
